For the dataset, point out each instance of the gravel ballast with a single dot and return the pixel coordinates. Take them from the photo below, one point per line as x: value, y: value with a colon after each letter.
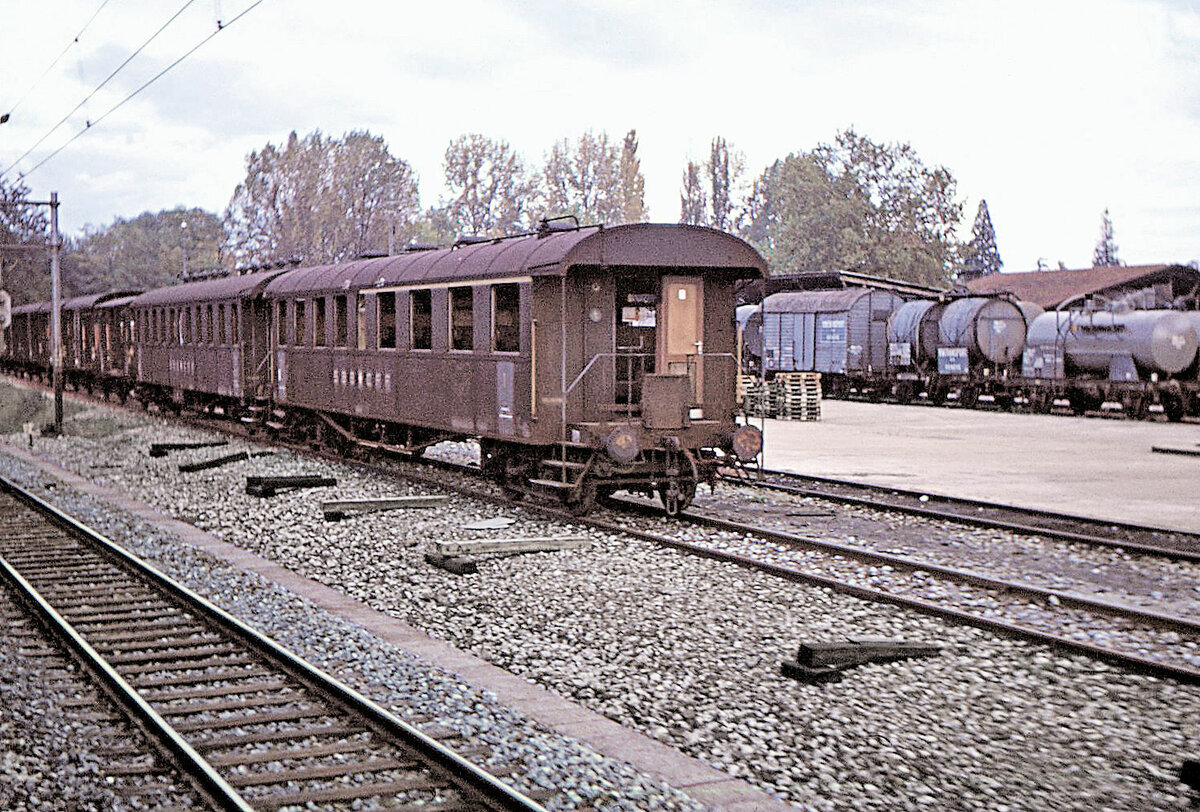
x: 684, y: 649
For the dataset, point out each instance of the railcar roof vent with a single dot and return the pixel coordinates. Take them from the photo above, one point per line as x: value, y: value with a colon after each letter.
x: 551, y: 225
x: 372, y: 254
x: 421, y: 246
x: 471, y: 239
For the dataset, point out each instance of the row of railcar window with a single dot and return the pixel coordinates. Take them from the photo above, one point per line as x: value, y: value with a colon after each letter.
x: 199, y: 324
x: 314, y: 322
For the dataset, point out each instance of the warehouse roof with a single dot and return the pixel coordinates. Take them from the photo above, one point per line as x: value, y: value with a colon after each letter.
x: 1052, y: 288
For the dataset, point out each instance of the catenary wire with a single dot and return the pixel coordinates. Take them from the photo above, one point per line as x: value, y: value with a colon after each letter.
x: 220, y: 27
x: 57, y: 59
x: 99, y: 87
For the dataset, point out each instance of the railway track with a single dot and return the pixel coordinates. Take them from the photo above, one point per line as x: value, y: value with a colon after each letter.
x: 251, y: 725
x: 1141, y: 640
x: 1063, y: 527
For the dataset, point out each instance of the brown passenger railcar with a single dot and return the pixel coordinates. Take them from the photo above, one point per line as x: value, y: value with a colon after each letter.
x: 203, y: 344
x: 585, y: 359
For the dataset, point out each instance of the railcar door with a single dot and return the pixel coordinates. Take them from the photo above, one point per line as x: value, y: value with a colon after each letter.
x: 682, y: 330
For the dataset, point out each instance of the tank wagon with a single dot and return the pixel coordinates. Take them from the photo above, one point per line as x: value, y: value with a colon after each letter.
x: 585, y: 360
x: 980, y: 351
x: 1129, y: 357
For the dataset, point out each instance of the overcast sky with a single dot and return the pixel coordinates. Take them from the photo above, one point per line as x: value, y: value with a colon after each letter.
x: 1050, y: 110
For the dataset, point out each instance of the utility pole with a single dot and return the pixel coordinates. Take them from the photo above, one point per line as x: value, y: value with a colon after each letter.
x: 56, y: 353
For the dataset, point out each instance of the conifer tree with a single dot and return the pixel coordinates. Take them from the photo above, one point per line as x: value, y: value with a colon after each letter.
x: 1105, y: 255
x: 981, y: 257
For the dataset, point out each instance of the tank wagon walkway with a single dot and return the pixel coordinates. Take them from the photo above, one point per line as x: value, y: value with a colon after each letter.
x: 1085, y: 466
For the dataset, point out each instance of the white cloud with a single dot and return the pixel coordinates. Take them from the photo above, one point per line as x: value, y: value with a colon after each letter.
x: 1050, y: 110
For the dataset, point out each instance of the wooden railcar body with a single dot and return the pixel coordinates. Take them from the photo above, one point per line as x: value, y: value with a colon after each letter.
x: 203, y: 343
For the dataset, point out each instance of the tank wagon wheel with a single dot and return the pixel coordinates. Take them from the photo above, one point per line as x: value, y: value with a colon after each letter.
x: 679, y: 489
x: 1173, y: 408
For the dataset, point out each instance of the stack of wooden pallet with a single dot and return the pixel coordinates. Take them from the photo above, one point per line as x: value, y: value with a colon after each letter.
x: 757, y: 397
x: 798, y: 395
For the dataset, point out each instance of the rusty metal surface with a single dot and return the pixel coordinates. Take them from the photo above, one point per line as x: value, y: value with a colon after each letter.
x: 207, y: 290
x: 640, y: 244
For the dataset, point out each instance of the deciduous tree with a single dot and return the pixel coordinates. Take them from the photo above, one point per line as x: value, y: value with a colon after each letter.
x: 693, y: 201
x: 147, y: 251
x: 321, y: 199
x: 24, y: 236
x: 725, y: 168
x: 856, y: 204
x: 594, y: 179
x: 490, y: 193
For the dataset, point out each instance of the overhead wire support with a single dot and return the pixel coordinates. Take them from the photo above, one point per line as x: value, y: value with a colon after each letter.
x: 220, y: 27
x: 74, y: 41
x: 99, y: 87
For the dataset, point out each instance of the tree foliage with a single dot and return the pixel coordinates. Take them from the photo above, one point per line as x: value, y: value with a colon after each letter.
x: 981, y: 257
x: 725, y: 168
x: 490, y: 192
x: 24, y: 237
x: 594, y: 179
x: 1105, y: 254
x: 693, y: 201
x: 320, y: 199
x: 148, y: 251
x: 856, y: 204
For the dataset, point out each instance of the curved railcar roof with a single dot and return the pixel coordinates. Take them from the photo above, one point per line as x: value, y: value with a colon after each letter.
x: 207, y: 290
x: 32, y: 307
x: 815, y: 301
x: 93, y: 299
x: 554, y: 254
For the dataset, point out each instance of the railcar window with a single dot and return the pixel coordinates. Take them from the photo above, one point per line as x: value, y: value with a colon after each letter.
x: 222, y: 320
x: 210, y: 325
x: 341, y: 307
x: 281, y: 323
x: 319, y: 322
x: 506, y: 307
x: 421, y: 321
x: 462, y: 321
x: 386, y: 323
x: 360, y: 324
x: 300, y: 337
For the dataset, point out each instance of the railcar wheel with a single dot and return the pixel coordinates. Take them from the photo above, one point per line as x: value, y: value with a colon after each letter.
x: 512, y: 473
x: 679, y: 489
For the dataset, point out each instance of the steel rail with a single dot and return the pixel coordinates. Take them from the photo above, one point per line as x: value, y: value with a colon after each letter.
x: 923, y: 509
x: 1136, y: 663
x: 473, y: 782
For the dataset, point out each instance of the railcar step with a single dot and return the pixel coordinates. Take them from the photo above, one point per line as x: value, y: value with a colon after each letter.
x: 552, y: 483
x: 568, y: 464
x: 270, y: 485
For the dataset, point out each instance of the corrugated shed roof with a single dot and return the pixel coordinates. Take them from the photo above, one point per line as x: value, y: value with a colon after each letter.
x: 1051, y: 288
